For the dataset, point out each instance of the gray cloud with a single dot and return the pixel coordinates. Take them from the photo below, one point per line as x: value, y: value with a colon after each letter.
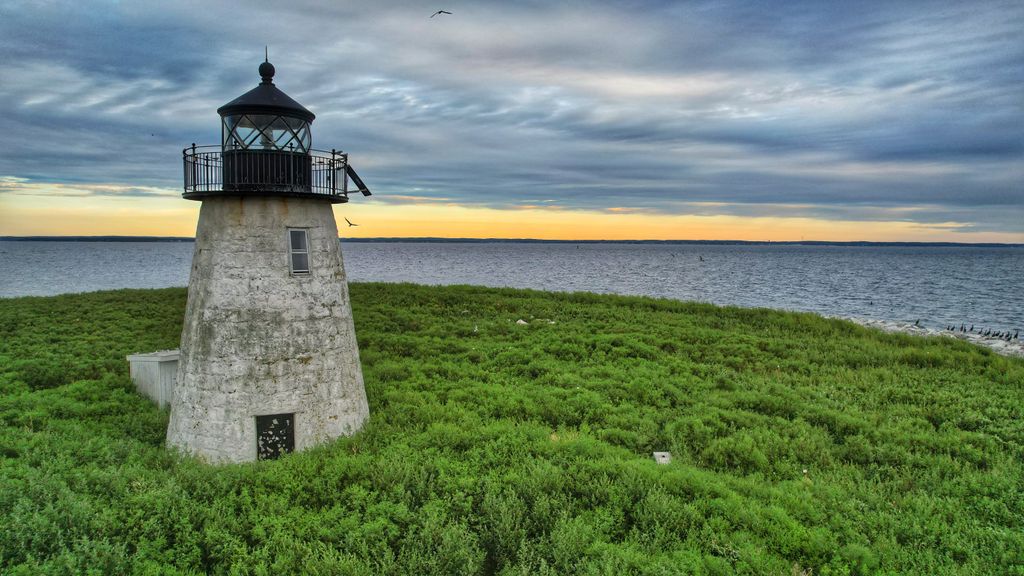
x: 866, y: 111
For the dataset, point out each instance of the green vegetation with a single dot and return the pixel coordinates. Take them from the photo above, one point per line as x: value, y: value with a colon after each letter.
x: 800, y: 445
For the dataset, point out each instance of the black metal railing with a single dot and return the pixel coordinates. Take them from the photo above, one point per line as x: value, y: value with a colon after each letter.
x: 210, y: 169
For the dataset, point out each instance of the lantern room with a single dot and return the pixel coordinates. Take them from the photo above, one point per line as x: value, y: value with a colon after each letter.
x: 266, y: 149
x: 265, y: 119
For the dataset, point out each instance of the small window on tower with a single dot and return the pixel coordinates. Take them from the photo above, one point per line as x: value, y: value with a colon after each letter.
x: 299, y: 247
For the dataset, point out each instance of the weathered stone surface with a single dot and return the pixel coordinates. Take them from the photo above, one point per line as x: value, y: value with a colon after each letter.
x: 258, y: 340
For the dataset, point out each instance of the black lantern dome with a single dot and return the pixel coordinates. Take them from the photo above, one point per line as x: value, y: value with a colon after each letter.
x: 265, y: 118
x: 266, y: 149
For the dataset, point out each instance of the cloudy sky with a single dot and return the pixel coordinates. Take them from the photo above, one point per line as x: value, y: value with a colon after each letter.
x: 708, y: 119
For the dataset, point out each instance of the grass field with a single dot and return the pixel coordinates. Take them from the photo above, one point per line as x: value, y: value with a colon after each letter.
x: 800, y: 446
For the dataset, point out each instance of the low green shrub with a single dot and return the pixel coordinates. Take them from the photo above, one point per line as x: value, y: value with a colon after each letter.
x: 800, y: 445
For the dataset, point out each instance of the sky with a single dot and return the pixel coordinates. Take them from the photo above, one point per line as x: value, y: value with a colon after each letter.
x: 879, y: 121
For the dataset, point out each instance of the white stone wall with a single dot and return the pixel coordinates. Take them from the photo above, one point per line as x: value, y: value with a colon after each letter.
x: 258, y: 340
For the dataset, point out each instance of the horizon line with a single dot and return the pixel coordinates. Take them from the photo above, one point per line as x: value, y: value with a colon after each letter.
x: 441, y: 239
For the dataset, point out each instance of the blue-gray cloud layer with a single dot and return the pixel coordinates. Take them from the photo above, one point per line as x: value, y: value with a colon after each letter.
x: 876, y: 111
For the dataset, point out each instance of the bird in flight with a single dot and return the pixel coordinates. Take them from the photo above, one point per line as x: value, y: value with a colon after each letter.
x: 440, y: 12
x: 350, y: 224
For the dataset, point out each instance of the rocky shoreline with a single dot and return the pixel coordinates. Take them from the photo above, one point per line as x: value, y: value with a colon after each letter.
x: 1000, y: 346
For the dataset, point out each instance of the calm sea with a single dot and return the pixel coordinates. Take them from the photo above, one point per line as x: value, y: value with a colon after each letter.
x: 936, y: 285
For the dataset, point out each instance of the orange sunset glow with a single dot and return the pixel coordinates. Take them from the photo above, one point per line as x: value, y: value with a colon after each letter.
x: 167, y: 215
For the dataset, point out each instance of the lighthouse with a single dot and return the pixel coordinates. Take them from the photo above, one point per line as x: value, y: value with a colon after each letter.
x: 269, y: 362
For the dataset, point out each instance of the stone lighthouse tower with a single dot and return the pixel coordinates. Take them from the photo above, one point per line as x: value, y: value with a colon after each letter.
x: 269, y: 362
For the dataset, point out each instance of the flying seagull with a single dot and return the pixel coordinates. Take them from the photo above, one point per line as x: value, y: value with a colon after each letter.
x: 440, y: 12
x: 350, y: 224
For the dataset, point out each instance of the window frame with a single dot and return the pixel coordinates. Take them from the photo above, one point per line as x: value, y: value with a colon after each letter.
x: 292, y: 251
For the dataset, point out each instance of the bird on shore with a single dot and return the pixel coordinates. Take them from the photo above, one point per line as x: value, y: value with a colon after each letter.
x: 439, y: 12
x: 1015, y: 334
x: 972, y: 328
x: 350, y: 224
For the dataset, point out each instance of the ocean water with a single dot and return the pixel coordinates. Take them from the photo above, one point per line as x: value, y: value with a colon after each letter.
x: 936, y: 286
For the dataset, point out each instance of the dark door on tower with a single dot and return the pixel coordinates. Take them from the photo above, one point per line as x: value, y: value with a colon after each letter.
x: 275, y: 435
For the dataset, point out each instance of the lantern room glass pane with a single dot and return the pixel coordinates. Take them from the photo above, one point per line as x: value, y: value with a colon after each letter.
x: 265, y: 132
x: 301, y: 130
x: 234, y: 136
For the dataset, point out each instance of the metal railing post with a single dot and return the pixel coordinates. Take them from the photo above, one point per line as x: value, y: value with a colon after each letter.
x: 195, y: 169
x: 334, y: 172
x: 344, y: 190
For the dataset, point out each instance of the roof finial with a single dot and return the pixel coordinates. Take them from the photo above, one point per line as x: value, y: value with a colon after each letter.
x: 267, y: 69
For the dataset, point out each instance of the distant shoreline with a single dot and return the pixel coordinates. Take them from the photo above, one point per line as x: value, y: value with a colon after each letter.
x: 535, y: 241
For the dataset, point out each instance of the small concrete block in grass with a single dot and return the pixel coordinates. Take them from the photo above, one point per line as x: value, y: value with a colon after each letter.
x: 154, y: 375
x: 662, y: 457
